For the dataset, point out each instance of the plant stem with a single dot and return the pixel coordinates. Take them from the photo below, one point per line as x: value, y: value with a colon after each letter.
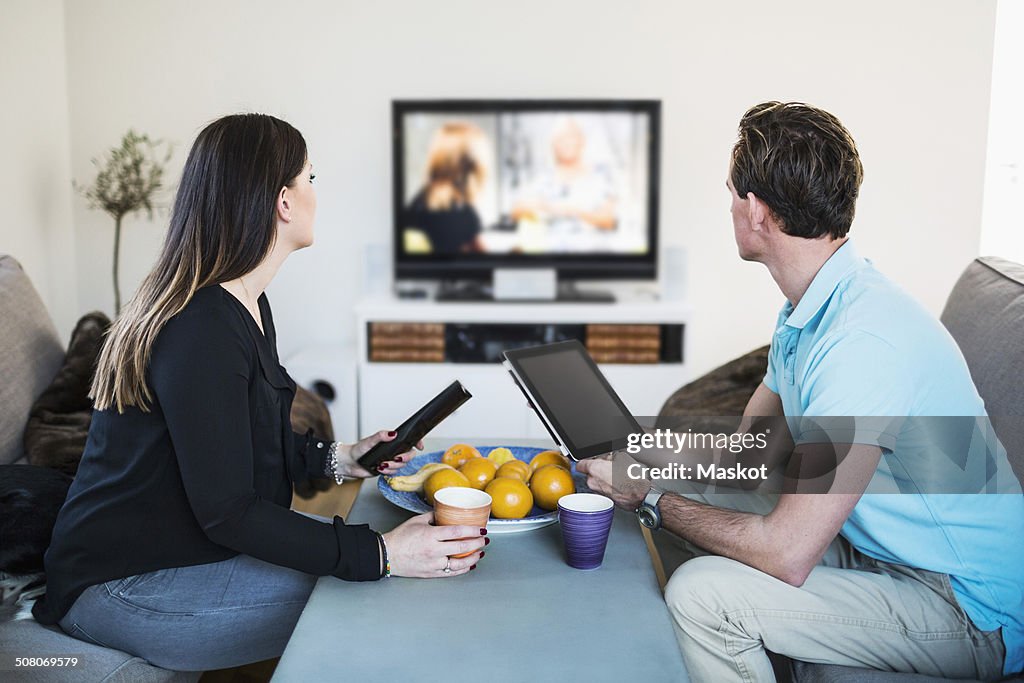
x: 117, y: 259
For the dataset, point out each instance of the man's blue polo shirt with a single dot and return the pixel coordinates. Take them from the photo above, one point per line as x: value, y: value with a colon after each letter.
x: 858, y: 345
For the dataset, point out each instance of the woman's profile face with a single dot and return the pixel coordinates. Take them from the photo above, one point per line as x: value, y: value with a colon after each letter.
x: 301, y: 198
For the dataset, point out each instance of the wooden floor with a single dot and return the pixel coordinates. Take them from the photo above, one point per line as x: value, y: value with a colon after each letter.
x: 260, y: 672
x: 336, y: 501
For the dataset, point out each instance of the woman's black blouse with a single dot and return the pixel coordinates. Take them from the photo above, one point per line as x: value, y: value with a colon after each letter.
x: 206, y: 474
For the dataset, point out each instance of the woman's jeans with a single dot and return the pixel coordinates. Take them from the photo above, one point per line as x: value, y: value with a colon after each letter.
x: 198, y: 618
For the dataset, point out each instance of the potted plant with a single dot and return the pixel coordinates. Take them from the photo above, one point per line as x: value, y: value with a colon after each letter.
x: 127, y: 181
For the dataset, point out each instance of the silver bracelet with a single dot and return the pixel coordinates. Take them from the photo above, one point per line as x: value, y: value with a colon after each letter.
x: 332, y: 460
x: 385, y: 560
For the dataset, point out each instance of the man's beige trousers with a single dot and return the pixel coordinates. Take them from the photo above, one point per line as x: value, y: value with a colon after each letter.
x: 852, y: 610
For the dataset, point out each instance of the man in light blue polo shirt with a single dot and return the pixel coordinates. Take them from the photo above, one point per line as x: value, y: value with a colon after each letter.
x: 924, y: 572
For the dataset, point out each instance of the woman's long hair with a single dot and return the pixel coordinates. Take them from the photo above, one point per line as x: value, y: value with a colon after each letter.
x: 456, y: 165
x: 223, y: 225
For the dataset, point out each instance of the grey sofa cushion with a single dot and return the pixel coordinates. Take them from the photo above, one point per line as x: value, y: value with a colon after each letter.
x: 985, y: 315
x: 27, y: 638
x: 30, y: 355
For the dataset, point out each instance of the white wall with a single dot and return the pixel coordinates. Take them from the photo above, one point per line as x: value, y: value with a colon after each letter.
x: 34, y: 138
x: 1002, y: 232
x: 910, y: 79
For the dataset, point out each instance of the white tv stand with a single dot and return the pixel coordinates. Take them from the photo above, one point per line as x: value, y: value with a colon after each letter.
x: 391, y: 391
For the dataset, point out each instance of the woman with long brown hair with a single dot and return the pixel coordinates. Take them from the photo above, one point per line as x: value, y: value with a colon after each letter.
x: 444, y: 210
x: 176, y: 542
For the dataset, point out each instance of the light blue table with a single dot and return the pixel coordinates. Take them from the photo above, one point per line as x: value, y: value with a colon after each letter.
x: 522, y: 615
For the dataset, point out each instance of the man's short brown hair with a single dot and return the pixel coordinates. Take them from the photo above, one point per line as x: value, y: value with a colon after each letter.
x: 802, y: 163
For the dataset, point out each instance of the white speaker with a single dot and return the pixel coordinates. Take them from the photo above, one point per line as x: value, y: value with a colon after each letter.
x: 526, y: 284
x: 673, y: 273
x: 376, y: 268
x: 329, y: 371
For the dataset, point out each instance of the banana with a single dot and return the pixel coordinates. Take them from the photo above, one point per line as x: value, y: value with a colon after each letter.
x: 414, y: 482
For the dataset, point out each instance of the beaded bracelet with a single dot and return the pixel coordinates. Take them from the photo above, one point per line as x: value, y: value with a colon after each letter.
x: 386, y: 574
x: 332, y: 461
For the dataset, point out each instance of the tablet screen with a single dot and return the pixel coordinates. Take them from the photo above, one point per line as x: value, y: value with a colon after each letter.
x: 566, y: 385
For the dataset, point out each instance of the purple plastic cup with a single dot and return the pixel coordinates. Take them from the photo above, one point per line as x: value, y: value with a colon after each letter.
x: 586, y: 519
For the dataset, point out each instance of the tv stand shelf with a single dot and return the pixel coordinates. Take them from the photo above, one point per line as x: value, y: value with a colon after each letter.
x: 483, y: 292
x: 451, y: 340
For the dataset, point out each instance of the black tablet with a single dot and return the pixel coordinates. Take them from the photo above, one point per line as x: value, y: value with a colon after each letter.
x: 580, y: 409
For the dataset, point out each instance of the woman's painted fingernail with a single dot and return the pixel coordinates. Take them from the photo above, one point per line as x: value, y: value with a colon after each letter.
x: 392, y: 433
x: 381, y: 467
x: 472, y: 568
x: 483, y: 532
x: 486, y: 541
x: 482, y: 553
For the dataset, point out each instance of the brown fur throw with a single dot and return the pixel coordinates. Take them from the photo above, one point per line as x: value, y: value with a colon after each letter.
x: 722, y: 392
x: 309, y: 412
x: 59, y: 421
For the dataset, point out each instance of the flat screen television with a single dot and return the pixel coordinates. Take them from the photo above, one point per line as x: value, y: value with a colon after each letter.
x: 569, y: 185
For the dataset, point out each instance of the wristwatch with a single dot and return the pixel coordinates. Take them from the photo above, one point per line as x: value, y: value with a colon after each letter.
x: 648, y: 510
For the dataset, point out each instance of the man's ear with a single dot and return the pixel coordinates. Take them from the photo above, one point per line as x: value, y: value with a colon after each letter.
x: 284, y: 206
x: 758, y: 213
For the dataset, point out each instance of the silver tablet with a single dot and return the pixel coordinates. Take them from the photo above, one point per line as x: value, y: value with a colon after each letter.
x: 573, y: 399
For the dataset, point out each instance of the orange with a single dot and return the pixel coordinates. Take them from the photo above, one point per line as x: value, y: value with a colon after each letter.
x: 517, y: 469
x: 479, y: 471
x: 442, y: 479
x: 548, y: 484
x: 510, y: 498
x: 457, y: 455
x: 501, y: 455
x: 549, y: 458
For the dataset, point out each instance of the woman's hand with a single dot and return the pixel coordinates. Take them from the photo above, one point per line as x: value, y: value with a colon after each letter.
x: 349, y: 454
x: 415, y: 548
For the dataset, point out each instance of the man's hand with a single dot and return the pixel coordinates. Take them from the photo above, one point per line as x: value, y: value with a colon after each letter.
x: 628, y: 494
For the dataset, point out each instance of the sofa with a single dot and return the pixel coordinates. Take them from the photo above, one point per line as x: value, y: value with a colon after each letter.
x: 985, y: 315
x: 31, y: 354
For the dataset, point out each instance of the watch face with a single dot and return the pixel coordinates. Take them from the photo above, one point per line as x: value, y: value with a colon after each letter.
x: 648, y: 517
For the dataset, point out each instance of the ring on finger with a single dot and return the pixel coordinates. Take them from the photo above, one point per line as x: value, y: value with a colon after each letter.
x: 447, y: 566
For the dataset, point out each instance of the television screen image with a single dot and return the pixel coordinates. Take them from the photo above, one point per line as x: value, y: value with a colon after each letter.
x: 520, y: 181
